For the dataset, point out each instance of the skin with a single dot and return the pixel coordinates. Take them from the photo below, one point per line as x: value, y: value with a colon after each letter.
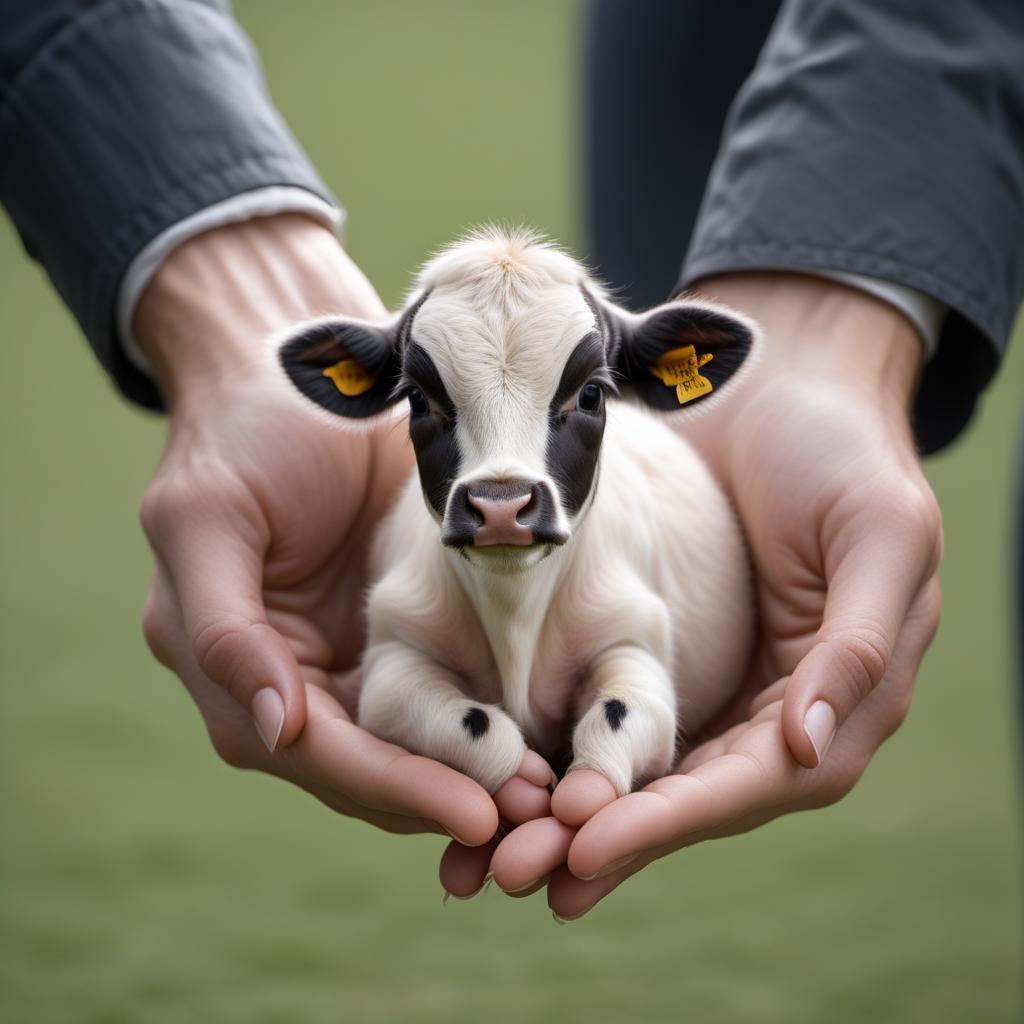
x: 260, y: 567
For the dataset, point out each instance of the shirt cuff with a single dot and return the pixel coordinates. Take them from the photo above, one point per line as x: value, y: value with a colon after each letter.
x: 259, y: 202
x: 926, y: 313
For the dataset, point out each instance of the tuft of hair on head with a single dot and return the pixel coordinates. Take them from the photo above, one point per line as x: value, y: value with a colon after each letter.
x: 501, y: 265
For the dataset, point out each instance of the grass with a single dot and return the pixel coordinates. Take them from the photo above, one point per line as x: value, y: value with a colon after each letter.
x: 140, y: 880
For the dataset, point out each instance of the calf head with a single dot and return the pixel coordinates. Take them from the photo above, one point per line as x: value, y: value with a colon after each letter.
x: 506, y: 355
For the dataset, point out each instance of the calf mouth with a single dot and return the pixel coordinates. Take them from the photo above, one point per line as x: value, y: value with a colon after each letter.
x: 507, y: 559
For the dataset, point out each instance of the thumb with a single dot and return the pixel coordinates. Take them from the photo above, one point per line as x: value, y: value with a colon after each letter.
x: 869, y: 597
x: 218, y: 578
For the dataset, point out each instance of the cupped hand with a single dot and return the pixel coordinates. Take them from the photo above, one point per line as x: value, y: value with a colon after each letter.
x: 260, y: 517
x: 845, y: 538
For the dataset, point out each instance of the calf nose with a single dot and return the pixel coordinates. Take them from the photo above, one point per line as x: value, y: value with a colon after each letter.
x: 516, y: 512
x: 499, y: 505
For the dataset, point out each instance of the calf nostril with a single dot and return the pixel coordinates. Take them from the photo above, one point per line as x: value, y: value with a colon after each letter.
x: 473, y: 512
x: 529, y: 511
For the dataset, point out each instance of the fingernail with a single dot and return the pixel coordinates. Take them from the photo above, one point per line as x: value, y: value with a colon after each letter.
x: 564, y: 920
x: 820, y: 727
x: 453, y: 896
x: 268, y: 716
x: 522, y: 888
x: 609, y: 868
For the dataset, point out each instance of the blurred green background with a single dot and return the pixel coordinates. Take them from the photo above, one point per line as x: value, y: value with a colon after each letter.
x: 144, y: 881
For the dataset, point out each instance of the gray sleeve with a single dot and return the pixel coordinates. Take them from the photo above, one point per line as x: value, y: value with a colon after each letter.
x: 885, y: 138
x: 119, y: 119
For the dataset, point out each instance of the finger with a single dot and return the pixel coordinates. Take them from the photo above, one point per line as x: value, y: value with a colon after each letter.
x: 335, y: 754
x: 526, y: 795
x: 724, y: 744
x: 770, y: 695
x: 529, y: 890
x: 678, y: 809
x: 397, y: 823
x: 868, y: 599
x: 217, y: 574
x: 580, y: 795
x: 529, y: 853
x: 570, y: 897
x: 536, y: 770
x: 518, y: 800
x: 463, y: 869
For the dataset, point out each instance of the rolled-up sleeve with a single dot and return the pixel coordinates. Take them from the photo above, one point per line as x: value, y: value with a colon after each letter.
x: 119, y: 120
x: 885, y: 138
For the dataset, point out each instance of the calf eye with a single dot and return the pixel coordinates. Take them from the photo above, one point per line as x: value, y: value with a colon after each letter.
x: 418, y: 403
x: 590, y: 398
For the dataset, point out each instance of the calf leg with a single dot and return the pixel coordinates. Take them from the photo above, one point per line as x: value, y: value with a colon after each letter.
x: 409, y: 699
x: 628, y: 730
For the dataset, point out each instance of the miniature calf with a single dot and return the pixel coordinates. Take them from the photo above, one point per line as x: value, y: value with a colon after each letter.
x: 562, y: 571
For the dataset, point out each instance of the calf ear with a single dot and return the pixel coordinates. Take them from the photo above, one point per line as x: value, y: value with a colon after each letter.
x: 350, y: 367
x: 681, y: 353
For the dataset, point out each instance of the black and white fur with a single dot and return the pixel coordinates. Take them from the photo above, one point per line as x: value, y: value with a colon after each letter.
x: 629, y: 616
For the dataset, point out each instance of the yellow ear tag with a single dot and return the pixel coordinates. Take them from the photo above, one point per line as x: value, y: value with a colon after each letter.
x: 350, y: 378
x: 680, y: 368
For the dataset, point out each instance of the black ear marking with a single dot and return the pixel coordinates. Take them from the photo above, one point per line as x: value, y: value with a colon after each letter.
x: 346, y: 366
x: 614, y: 712
x: 681, y: 353
x: 476, y: 722
x: 350, y: 367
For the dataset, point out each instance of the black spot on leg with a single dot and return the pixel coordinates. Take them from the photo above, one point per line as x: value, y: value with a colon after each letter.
x: 615, y: 712
x: 476, y: 722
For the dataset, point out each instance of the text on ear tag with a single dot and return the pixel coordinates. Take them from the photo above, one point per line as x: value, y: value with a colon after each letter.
x: 350, y: 378
x: 680, y: 369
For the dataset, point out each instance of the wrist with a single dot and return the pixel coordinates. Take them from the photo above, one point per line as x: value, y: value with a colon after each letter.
x: 203, y: 318
x: 820, y: 330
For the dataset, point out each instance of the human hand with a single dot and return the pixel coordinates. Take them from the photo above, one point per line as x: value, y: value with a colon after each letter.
x: 260, y: 517
x: 845, y: 536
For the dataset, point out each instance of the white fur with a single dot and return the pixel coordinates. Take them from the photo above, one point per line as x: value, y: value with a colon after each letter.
x: 648, y: 603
